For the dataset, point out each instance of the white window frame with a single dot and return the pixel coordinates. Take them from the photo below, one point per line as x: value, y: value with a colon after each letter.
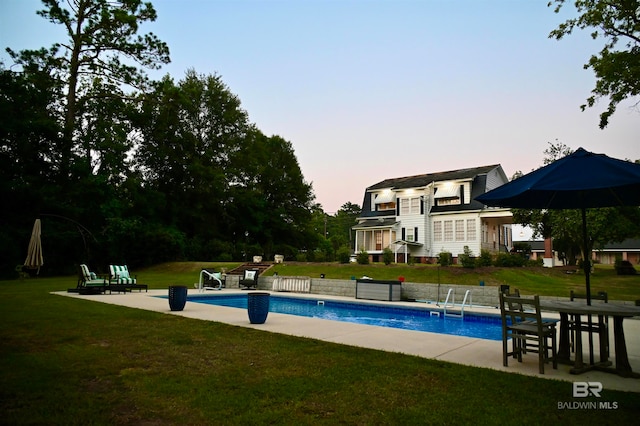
x: 459, y: 230
x: 409, y: 234
x: 471, y: 230
x: 409, y: 206
x: 437, y: 230
x: 448, y: 230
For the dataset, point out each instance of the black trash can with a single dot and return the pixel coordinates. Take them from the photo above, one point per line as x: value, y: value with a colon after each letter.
x: 177, y: 297
x: 258, y: 307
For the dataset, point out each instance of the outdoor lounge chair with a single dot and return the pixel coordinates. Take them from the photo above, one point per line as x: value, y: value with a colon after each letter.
x: 89, y: 282
x: 249, y: 279
x: 121, y: 280
x: 523, y: 324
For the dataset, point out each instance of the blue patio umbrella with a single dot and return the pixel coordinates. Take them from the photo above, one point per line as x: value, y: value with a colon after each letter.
x: 581, y: 180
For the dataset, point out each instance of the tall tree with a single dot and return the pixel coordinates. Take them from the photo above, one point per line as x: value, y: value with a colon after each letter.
x: 72, y: 113
x: 188, y: 132
x: 28, y: 130
x: 244, y: 190
x: 340, y: 224
x: 102, y: 55
x: 269, y: 193
x: 617, y: 65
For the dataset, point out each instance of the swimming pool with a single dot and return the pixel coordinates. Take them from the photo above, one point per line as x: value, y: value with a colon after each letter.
x: 473, y: 325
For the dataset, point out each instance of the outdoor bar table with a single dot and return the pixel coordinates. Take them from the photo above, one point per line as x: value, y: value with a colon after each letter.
x: 618, y: 311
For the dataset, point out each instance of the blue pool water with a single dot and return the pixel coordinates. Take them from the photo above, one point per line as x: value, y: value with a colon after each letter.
x: 479, y: 326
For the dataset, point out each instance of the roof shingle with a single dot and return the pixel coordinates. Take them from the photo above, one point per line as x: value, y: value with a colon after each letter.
x: 418, y: 181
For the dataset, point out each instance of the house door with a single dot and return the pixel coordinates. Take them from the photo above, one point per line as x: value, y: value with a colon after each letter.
x: 378, y: 240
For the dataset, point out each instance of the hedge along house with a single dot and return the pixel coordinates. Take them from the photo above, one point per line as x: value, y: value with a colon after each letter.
x: 418, y: 217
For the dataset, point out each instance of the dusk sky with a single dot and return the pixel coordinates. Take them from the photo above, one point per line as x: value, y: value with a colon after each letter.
x: 370, y: 90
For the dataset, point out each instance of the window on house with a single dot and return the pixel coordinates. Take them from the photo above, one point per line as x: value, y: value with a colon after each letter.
x: 386, y: 206
x: 448, y: 201
x: 448, y: 194
x: 404, y: 206
x: 410, y: 206
x: 385, y: 200
x: 437, y: 230
x: 409, y: 234
x: 459, y: 230
x: 471, y: 229
x: 448, y: 230
x: 415, y: 205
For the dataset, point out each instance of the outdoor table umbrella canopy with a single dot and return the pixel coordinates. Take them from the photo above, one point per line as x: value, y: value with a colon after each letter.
x: 34, y: 258
x: 581, y: 180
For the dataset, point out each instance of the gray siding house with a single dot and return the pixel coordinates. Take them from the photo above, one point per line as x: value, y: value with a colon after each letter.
x: 418, y: 217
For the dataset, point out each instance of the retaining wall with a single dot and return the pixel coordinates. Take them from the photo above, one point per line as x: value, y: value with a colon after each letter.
x: 480, y: 295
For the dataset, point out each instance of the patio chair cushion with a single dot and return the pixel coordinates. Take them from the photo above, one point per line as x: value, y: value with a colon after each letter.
x: 120, y: 275
x: 89, y: 279
x: 249, y: 279
x: 85, y: 272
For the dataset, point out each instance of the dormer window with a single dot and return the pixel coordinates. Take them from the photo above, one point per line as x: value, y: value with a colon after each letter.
x: 385, y: 200
x: 448, y: 195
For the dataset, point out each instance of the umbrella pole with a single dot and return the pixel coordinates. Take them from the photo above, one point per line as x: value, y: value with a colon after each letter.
x: 586, y: 263
x: 587, y: 277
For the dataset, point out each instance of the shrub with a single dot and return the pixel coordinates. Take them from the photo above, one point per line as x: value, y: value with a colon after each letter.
x: 387, y: 256
x: 485, y: 258
x: 363, y: 258
x: 225, y: 257
x: 319, y: 256
x: 624, y: 267
x: 324, y: 252
x: 343, y: 254
x: 466, y: 259
x: 508, y: 260
x: 580, y: 265
x: 535, y: 263
x: 445, y: 258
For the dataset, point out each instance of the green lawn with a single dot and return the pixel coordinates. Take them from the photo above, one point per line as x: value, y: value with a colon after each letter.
x: 70, y: 361
x: 542, y: 281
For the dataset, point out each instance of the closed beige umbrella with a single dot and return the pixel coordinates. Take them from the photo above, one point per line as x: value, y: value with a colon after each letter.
x: 34, y: 258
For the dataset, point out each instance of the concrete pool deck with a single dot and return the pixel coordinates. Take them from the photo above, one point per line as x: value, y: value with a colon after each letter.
x: 456, y: 349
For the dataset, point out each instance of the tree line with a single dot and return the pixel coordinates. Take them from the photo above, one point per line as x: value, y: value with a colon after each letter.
x: 124, y: 169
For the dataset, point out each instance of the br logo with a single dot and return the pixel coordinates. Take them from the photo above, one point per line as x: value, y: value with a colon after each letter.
x: 585, y: 389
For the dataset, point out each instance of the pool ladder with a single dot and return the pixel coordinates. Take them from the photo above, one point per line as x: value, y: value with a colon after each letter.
x: 451, y: 294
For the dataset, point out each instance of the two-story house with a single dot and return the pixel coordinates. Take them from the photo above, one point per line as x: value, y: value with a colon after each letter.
x: 418, y: 217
